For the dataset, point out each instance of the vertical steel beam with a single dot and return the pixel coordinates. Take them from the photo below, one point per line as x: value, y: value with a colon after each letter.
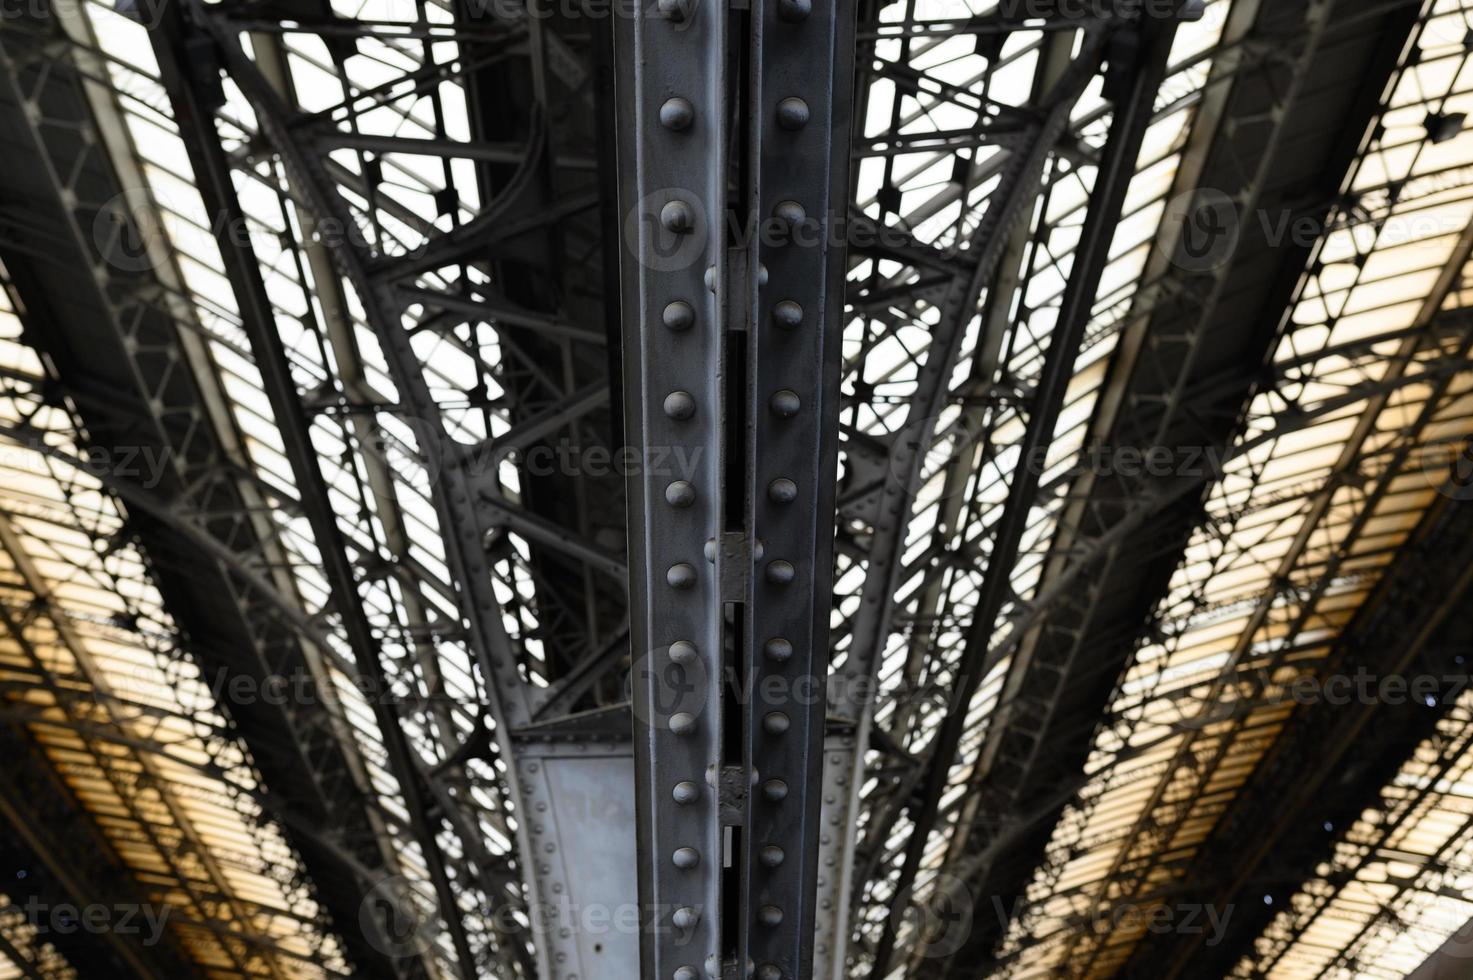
x: 673, y: 155
x: 735, y: 119
x: 800, y: 101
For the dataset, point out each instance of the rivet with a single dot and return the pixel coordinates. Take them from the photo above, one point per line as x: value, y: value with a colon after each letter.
x: 677, y: 216
x: 685, y: 792
x: 673, y: 10
x: 792, y: 113
x: 683, y: 651
x: 677, y: 113
x: 680, y: 405
x: 710, y: 548
x: 680, y: 315
x: 782, y: 491
x: 788, y: 315
x: 686, y: 973
x: 775, y: 723
x: 681, y: 576
x: 780, y: 572
x: 790, y: 213
x: 778, y: 649
x: 775, y: 790
x: 680, y: 494
x: 771, y: 855
x: 686, y: 918
x: 786, y: 403
x: 769, y: 971
x: 793, y: 11
x: 686, y: 858
x: 770, y: 915
x: 682, y: 723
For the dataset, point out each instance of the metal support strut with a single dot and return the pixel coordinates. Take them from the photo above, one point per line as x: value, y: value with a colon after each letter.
x: 733, y: 169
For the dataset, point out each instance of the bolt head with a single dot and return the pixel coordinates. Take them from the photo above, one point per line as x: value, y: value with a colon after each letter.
x: 682, y: 723
x: 679, y: 315
x: 776, y: 723
x: 770, y: 916
x: 792, y: 112
x: 685, y: 792
x: 778, y: 649
x: 786, y: 403
x: 677, y: 113
x: 678, y: 217
x: 683, y: 651
x: 680, y: 494
x: 775, y: 790
x: 782, y: 491
x: 790, y: 213
x: 680, y: 405
x: 686, y: 858
x: 781, y: 572
x: 771, y: 856
x: 686, y: 918
x: 680, y: 576
x: 788, y: 315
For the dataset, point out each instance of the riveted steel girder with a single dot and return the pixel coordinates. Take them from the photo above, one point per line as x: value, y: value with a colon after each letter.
x: 735, y: 119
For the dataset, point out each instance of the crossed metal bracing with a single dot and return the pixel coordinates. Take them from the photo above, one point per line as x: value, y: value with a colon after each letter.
x: 352, y: 279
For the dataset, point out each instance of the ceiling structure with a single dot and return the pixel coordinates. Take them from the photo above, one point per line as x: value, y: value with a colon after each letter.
x: 433, y: 462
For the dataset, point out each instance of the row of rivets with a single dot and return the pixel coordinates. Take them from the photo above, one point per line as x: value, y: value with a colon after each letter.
x: 792, y: 114
x: 678, y: 316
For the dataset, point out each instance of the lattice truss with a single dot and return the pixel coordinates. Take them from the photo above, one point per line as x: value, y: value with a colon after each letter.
x: 1298, y: 533
x: 953, y: 395
x: 418, y: 189
x: 378, y: 449
x: 92, y: 669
